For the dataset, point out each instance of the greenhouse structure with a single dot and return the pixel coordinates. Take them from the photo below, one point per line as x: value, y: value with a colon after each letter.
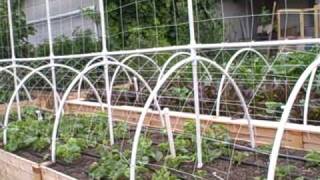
x: 159, y: 90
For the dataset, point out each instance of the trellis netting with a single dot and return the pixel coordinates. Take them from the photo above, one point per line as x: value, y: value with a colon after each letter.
x: 138, y: 88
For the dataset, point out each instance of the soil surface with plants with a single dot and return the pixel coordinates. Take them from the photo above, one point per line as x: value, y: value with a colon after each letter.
x: 84, y: 152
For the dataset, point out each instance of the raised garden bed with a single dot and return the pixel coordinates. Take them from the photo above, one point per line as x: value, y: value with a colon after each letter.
x: 229, y: 157
x: 15, y: 167
x: 242, y: 163
x: 303, y: 137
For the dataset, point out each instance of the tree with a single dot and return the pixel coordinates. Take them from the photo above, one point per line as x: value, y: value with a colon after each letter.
x: 21, y: 30
x: 151, y: 23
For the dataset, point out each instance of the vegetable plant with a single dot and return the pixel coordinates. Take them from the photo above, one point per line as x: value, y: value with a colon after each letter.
x: 112, y: 165
x: 162, y: 174
x: 313, y: 158
x: 282, y: 172
x: 175, y: 162
x: 28, y: 133
x: 239, y: 157
x: 71, y: 150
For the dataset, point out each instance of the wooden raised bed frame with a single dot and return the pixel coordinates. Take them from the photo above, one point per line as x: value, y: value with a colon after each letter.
x: 297, y: 136
x: 13, y: 167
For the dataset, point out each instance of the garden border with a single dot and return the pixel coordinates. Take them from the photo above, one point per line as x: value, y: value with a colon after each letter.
x: 301, y: 137
x: 14, y: 167
x: 297, y: 136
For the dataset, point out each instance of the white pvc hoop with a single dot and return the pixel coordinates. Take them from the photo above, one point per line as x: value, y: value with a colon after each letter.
x: 37, y: 71
x: 93, y: 61
x: 307, y: 99
x: 232, y: 59
x: 164, y: 67
x: 70, y: 87
x: 18, y: 79
x: 285, y: 116
x: 124, y: 61
x: 154, y: 93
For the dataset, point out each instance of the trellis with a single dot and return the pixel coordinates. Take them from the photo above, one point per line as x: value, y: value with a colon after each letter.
x: 107, y: 59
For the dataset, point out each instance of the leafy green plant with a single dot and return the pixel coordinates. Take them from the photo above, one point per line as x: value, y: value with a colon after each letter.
x: 164, y: 147
x: 121, y: 130
x: 266, y: 18
x: 28, y: 133
x: 181, y: 93
x: 162, y: 174
x: 201, y: 173
x: 218, y: 132
x: 71, y: 150
x: 272, y: 107
x: 292, y: 64
x: 4, y: 95
x: 313, y: 158
x: 146, y: 152
x: 239, y: 157
x: 265, y: 148
x: 284, y: 171
x: 210, y: 154
x: 175, y: 162
x: 112, y: 165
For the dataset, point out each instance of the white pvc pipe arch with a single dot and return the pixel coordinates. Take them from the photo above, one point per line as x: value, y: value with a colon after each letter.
x: 164, y: 67
x: 307, y: 99
x: 110, y: 86
x: 21, y: 84
x: 71, y: 86
x: 124, y: 61
x: 37, y: 71
x: 285, y: 115
x: 18, y: 79
x: 30, y: 69
x: 93, y: 61
x: 232, y: 59
x: 157, y: 88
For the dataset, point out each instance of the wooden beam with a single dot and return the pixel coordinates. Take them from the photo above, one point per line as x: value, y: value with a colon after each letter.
x: 279, y: 24
x: 301, y: 24
x: 272, y: 24
x: 316, y: 20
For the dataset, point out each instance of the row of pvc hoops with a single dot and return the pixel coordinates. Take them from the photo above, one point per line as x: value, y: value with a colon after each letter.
x: 108, y: 60
x: 164, y: 74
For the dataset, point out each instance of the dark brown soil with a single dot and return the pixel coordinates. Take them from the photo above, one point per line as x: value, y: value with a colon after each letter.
x: 33, y: 156
x: 256, y: 165
x: 78, y: 169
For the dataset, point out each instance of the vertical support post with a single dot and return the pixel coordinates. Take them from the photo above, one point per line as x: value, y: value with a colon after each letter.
x: 195, y: 83
x: 279, y: 24
x: 13, y: 56
x: 316, y: 21
x: 136, y: 87
x: 169, y: 132
x: 53, y: 73
x: 106, y: 70
x: 301, y: 23
x: 272, y: 24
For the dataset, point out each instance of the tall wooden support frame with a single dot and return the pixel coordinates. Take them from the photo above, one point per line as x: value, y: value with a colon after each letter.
x: 301, y: 19
x: 301, y: 12
x: 316, y: 20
